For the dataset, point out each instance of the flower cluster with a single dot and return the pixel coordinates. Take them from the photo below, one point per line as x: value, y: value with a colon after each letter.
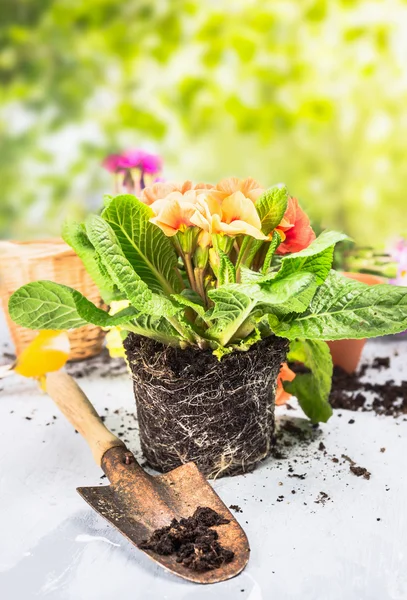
x: 133, y: 170
x: 228, y: 208
x: 205, y: 220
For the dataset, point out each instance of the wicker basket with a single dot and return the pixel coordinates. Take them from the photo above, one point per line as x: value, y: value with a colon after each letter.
x: 22, y: 262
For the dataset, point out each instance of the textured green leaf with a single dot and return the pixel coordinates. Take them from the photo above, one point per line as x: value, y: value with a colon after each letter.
x: 49, y: 305
x: 242, y: 346
x: 271, y: 207
x: 156, y: 328
x: 149, y: 251
x: 195, y: 304
x: 312, y: 389
x: 343, y: 308
x: 75, y: 236
x: 317, y: 258
x: 234, y: 303
x: 231, y: 308
x: 249, y: 276
x: 291, y: 294
x: 121, y: 271
x: 273, y: 245
x: 226, y: 273
x: 248, y: 250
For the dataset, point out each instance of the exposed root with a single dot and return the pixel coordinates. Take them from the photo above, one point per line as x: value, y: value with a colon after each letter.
x: 193, y: 407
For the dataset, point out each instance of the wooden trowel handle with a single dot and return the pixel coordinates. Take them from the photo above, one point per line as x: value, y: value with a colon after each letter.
x: 77, y: 408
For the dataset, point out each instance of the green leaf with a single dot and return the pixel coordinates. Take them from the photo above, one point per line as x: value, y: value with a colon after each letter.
x: 243, y: 346
x: 107, y: 198
x: 149, y: 251
x: 231, y: 308
x: 273, y: 245
x: 271, y: 207
x: 156, y: 328
x: 226, y: 273
x: 346, y: 309
x: 49, y: 305
x: 312, y: 389
x: 122, y: 273
x: 195, y: 304
x: 316, y: 258
x: 291, y: 294
x: 248, y: 250
x: 249, y: 276
x: 74, y: 235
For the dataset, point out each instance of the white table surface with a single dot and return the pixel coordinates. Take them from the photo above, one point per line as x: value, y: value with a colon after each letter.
x: 54, y: 547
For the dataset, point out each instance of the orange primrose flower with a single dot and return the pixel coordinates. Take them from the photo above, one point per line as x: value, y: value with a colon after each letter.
x: 249, y: 187
x: 295, y: 229
x: 234, y: 215
x: 174, y: 212
x: 160, y: 190
x: 286, y: 374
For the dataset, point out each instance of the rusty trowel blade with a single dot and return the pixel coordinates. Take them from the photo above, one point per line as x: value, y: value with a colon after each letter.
x: 137, y: 503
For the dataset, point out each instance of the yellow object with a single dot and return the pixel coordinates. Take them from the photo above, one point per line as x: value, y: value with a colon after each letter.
x: 114, y: 342
x: 48, y: 352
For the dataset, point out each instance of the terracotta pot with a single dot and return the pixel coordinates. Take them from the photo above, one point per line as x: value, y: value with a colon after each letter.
x: 346, y: 353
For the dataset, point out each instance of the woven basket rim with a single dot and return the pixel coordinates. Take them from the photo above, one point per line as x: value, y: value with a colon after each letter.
x: 35, y: 249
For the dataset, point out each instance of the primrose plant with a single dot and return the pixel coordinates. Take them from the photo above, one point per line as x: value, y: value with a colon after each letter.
x: 218, y: 268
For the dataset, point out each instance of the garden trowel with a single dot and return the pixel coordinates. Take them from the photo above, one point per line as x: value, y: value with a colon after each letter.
x: 135, y: 502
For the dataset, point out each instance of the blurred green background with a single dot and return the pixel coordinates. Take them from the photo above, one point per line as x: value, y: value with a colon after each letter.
x: 310, y: 93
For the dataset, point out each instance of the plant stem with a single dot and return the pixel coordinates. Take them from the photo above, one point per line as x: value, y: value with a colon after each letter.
x: 199, y: 279
x: 190, y: 271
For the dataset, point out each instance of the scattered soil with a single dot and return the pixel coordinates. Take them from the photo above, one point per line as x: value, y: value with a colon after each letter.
x: 225, y: 421
x: 347, y: 392
x: 355, y: 469
x: 381, y: 362
x: 322, y: 498
x: 360, y: 471
x: 236, y: 508
x: 192, y: 540
x: 103, y: 365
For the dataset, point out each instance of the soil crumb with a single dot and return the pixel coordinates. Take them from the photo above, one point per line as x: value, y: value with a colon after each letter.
x: 360, y: 471
x: 355, y: 469
x: 322, y: 498
x: 192, y: 540
x: 236, y: 508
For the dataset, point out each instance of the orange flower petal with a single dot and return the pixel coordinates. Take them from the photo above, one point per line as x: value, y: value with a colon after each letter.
x: 172, y: 215
x: 301, y: 234
x: 249, y: 187
x: 286, y: 374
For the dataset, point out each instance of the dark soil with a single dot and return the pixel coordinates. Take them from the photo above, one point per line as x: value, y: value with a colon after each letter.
x: 191, y: 407
x: 192, y: 540
x: 347, y: 392
x: 355, y: 469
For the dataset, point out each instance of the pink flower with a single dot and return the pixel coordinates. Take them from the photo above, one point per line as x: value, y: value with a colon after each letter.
x: 133, y: 159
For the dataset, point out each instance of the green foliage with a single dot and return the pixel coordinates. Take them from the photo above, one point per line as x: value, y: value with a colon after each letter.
x: 317, y: 258
x: 75, y: 235
x: 271, y: 207
x: 145, y: 246
x: 343, y: 308
x: 312, y: 389
x: 49, y: 305
x: 214, y: 305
